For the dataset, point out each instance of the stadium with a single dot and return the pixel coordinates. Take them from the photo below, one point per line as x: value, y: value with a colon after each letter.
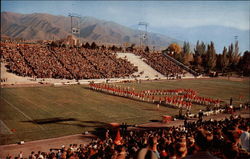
x: 107, y: 98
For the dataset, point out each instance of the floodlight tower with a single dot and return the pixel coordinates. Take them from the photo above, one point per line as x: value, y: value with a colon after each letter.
x: 75, y: 30
x: 236, y: 38
x: 144, y: 34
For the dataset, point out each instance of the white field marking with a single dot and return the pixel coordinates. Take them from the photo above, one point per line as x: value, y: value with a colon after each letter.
x: 31, y: 102
x: 4, y: 128
x: 43, y: 105
x: 21, y: 112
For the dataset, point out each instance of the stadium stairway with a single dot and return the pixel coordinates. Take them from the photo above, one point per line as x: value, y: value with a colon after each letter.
x: 144, y: 70
x: 191, y: 73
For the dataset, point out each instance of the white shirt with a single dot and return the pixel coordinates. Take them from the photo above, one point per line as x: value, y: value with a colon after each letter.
x: 245, y: 139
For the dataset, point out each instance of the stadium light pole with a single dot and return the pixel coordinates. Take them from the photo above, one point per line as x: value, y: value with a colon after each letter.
x: 145, y: 36
x: 79, y: 17
x: 235, y: 38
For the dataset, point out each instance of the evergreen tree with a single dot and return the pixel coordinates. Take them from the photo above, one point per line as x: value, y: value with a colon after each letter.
x: 236, y: 55
x: 93, y: 45
x: 87, y: 46
x: 146, y: 49
x: 230, y: 53
x: 103, y: 47
x: 199, y: 56
x: 186, y: 54
x: 211, y: 57
x: 186, y: 48
x: 224, y: 61
x: 114, y: 48
x: 244, y: 64
x: 200, y: 49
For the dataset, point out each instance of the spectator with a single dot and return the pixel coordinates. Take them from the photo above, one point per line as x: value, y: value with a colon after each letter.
x: 150, y: 152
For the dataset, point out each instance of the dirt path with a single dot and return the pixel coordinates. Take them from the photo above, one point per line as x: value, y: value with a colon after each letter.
x: 43, y: 145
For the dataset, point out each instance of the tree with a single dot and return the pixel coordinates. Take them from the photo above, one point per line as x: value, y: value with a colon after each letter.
x: 200, y: 49
x: 234, y: 55
x: 114, y: 48
x: 146, y: 49
x: 178, y: 57
x: 120, y: 48
x: 93, y: 45
x: 187, y: 56
x: 244, y: 63
x: 224, y: 61
x: 200, y: 55
x: 186, y: 48
x: 174, y: 48
x: 210, y: 57
x: 197, y: 60
x: 87, y: 46
x: 103, y: 47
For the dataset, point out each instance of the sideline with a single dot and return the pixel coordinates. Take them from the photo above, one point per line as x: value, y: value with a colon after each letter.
x: 4, y: 128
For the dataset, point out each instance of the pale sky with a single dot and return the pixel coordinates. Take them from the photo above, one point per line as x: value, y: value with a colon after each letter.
x: 156, y: 13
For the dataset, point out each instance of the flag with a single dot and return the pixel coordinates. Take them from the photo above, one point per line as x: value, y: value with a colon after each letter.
x: 118, y: 138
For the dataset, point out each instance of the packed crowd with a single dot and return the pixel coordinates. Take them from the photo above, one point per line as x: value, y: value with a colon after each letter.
x: 69, y: 63
x: 41, y: 61
x: 226, y: 139
x: 161, y: 64
x: 177, y: 98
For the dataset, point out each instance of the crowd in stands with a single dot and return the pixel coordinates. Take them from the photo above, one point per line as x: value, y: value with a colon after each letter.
x: 160, y: 63
x: 43, y: 61
x: 226, y: 139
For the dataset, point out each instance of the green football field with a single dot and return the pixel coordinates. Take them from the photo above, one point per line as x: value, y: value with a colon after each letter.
x: 33, y: 113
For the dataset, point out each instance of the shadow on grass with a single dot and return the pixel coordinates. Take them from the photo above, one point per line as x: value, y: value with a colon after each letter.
x: 99, y: 128
x: 155, y: 120
x: 50, y: 120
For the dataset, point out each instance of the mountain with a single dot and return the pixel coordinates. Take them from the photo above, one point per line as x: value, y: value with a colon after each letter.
x: 220, y: 35
x: 40, y: 26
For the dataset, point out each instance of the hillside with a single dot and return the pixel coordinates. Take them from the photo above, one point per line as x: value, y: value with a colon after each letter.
x: 40, y: 26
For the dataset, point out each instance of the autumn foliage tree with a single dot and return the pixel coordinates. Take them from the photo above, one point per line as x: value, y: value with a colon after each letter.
x: 174, y: 48
x: 205, y: 58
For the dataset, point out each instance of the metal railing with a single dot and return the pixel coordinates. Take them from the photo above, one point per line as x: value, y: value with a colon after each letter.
x: 181, y: 64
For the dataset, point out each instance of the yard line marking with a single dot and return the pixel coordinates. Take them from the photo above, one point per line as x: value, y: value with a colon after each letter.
x: 21, y: 112
x: 3, y: 127
x: 32, y: 103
